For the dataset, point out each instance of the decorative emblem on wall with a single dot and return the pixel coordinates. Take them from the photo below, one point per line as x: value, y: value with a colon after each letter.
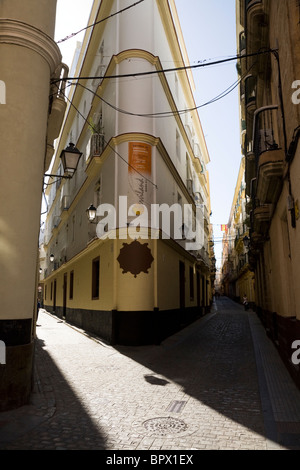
x: 135, y: 258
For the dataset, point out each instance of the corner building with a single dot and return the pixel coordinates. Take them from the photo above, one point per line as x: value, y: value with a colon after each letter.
x: 141, y: 139
x: 269, y: 39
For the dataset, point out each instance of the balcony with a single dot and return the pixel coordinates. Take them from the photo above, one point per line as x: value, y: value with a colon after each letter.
x: 254, y: 13
x: 95, y: 146
x: 250, y: 93
x: 256, y: 239
x: 242, y: 43
x: 238, y: 242
x: 242, y: 51
x: 249, y: 4
x: 203, y: 258
x: 250, y: 169
x: 269, y: 157
x: 206, y: 220
x: 261, y: 218
x: 257, y: 22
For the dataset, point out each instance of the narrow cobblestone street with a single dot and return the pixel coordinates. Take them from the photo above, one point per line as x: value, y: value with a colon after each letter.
x: 217, y: 385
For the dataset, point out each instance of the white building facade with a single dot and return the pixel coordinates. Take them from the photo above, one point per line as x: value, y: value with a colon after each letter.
x: 143, y: 145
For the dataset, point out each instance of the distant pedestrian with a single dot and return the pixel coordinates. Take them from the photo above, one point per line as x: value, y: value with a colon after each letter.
x: 245, y: 302
x: 38, y: 308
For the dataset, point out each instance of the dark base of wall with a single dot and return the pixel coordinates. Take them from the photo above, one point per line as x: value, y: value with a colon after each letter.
x: 283, y: 331
x: 15, y: 332
x: 16, y: 376
x: 131, y: 328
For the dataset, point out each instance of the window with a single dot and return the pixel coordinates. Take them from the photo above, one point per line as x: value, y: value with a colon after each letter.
x: 191, y: 284
x: 71, y: 284
x: 46, y: 292
x: 95, y: 278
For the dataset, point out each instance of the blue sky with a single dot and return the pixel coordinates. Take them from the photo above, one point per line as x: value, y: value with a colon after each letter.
x: 209, y: 31
x: 210, y: 34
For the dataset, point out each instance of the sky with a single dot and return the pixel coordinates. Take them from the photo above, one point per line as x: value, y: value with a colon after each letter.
x: 209, y: 32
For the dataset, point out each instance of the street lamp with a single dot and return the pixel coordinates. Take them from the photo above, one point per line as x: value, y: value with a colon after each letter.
x: 70, y: 158
x: 91, y: 213
x: 51, y: 258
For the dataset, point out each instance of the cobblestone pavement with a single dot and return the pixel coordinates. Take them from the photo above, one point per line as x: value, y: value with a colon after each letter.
x: 219, y: 384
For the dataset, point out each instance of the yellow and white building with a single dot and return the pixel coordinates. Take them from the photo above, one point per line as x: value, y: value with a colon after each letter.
x: 237, y: 276
x: 270, y: 42
x: 141, y: 140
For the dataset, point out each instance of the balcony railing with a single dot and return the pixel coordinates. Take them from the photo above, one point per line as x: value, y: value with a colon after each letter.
x: 95, y: 145
x: 250, y: 91
x: 269, y: 156
x: 242, y: 41
x: 265, y: 134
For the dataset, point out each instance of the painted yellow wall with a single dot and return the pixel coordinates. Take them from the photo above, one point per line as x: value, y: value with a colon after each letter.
x: 168, y: 277
x: 122, y: 290
x: 82, y: 290
x: 135, y: 293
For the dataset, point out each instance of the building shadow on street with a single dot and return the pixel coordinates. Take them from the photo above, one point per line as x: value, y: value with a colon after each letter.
x: 213, y: 361
x: 55, y: 418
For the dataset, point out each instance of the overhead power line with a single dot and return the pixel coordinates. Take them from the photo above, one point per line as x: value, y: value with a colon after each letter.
x: 98, y: 22
x: 163, y: 114
x: 175, y: 69
x: 110, y: 146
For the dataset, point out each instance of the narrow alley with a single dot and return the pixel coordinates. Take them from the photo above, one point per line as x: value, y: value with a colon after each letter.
x: 219, y: 384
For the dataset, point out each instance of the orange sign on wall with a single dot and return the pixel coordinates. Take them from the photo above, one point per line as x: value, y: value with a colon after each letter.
x: 139, y: 158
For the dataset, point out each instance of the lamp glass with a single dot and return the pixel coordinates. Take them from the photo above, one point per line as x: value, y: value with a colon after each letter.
x: 91, y: 213
x: 70, y: 158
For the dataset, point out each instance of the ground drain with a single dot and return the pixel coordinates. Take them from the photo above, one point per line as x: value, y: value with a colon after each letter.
x: 176, y: 406
x: 165, y: 426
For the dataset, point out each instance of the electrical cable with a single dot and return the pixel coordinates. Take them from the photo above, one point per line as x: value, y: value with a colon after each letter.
x: 174, y: 69
x: 110, y: 146
x: 98, y: 22
x: 168, y: 113
x: 164, y: 114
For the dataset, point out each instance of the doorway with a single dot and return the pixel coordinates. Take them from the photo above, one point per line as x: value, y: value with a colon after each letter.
x: 54, y: 296
x: 65, y: 295
x: 181, y: 285
x: 198, y: 289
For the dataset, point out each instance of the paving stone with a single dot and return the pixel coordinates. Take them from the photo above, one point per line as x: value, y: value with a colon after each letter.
x: 221, y: 377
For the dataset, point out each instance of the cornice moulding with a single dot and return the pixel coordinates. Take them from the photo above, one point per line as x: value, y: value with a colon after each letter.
x: 22, y: 34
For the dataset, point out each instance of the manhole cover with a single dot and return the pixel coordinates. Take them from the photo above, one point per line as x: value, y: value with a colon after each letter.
x: 165, y: 426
